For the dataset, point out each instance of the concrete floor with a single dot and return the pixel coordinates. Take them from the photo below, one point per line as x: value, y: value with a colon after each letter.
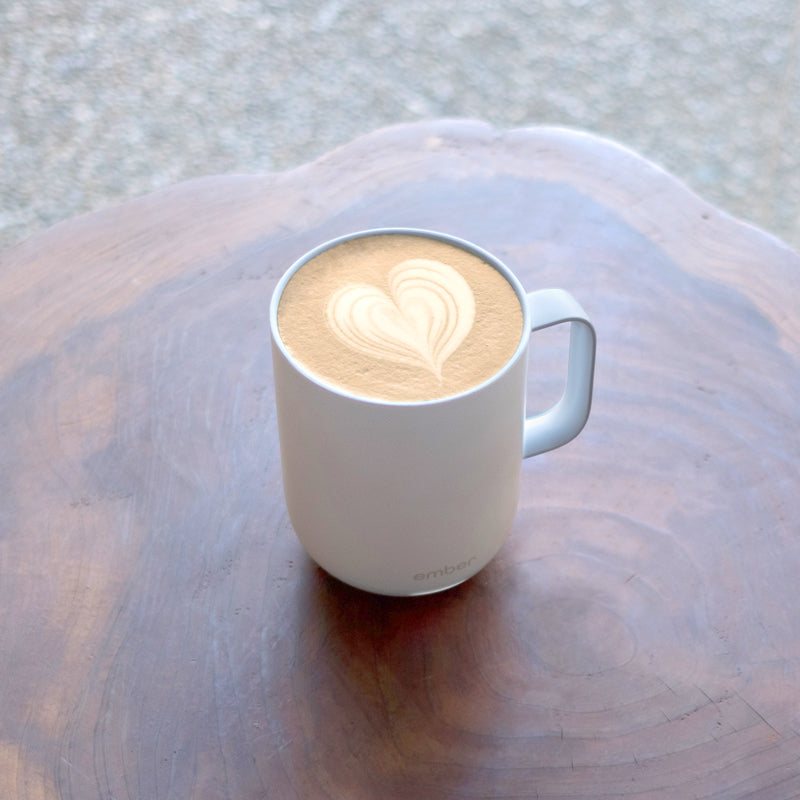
x: 102, y: 100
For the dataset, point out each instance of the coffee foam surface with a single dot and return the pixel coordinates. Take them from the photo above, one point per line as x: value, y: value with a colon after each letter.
x: 399, y: 317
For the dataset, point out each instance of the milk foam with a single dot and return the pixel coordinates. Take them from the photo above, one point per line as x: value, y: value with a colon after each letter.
x: 422, y: 321
x: 400, y: 317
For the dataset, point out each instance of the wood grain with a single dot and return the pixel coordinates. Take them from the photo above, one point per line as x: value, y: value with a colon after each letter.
x: 164, y: 635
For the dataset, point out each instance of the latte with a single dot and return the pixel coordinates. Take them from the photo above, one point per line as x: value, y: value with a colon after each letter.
x: 400, y: 317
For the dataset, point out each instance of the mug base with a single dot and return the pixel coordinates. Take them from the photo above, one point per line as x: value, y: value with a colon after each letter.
x: 412, y: 592
x: 423, y: 592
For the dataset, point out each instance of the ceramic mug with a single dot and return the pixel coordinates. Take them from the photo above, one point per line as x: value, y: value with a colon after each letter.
x: 409, y: 498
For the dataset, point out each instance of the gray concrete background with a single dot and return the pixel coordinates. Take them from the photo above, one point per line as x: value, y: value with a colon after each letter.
x: 103, y: 100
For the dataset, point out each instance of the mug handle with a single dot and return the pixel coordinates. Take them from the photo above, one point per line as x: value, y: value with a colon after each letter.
x: 565, y: 420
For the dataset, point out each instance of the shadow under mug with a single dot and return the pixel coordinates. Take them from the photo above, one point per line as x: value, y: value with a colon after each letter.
x: 409, y: 498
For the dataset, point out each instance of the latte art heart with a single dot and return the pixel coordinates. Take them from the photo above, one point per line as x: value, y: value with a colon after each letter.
x: 429, y: 311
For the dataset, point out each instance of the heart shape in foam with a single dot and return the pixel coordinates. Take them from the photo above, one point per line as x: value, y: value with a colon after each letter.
x: 423, y: 320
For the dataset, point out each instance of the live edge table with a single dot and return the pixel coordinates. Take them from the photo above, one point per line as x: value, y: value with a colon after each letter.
x: 163, y: 634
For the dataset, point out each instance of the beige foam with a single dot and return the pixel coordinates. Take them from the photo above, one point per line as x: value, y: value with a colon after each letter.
x: 400, y: 318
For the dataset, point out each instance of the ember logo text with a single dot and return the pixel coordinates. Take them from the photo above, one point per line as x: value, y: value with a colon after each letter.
x: 444, y: 571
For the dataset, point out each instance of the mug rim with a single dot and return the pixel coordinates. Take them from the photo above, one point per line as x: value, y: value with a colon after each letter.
x: 456, y: 241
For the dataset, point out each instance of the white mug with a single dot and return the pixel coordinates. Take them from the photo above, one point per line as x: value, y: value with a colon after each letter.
x: 409, y: 498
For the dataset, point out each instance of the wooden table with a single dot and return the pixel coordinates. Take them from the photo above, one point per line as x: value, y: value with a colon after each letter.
x: 163, y: 634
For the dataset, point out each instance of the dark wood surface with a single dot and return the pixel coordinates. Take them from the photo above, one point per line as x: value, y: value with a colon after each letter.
x: 163, y: 634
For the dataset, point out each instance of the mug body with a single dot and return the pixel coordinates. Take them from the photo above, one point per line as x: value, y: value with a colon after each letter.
x: 401, y: 498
